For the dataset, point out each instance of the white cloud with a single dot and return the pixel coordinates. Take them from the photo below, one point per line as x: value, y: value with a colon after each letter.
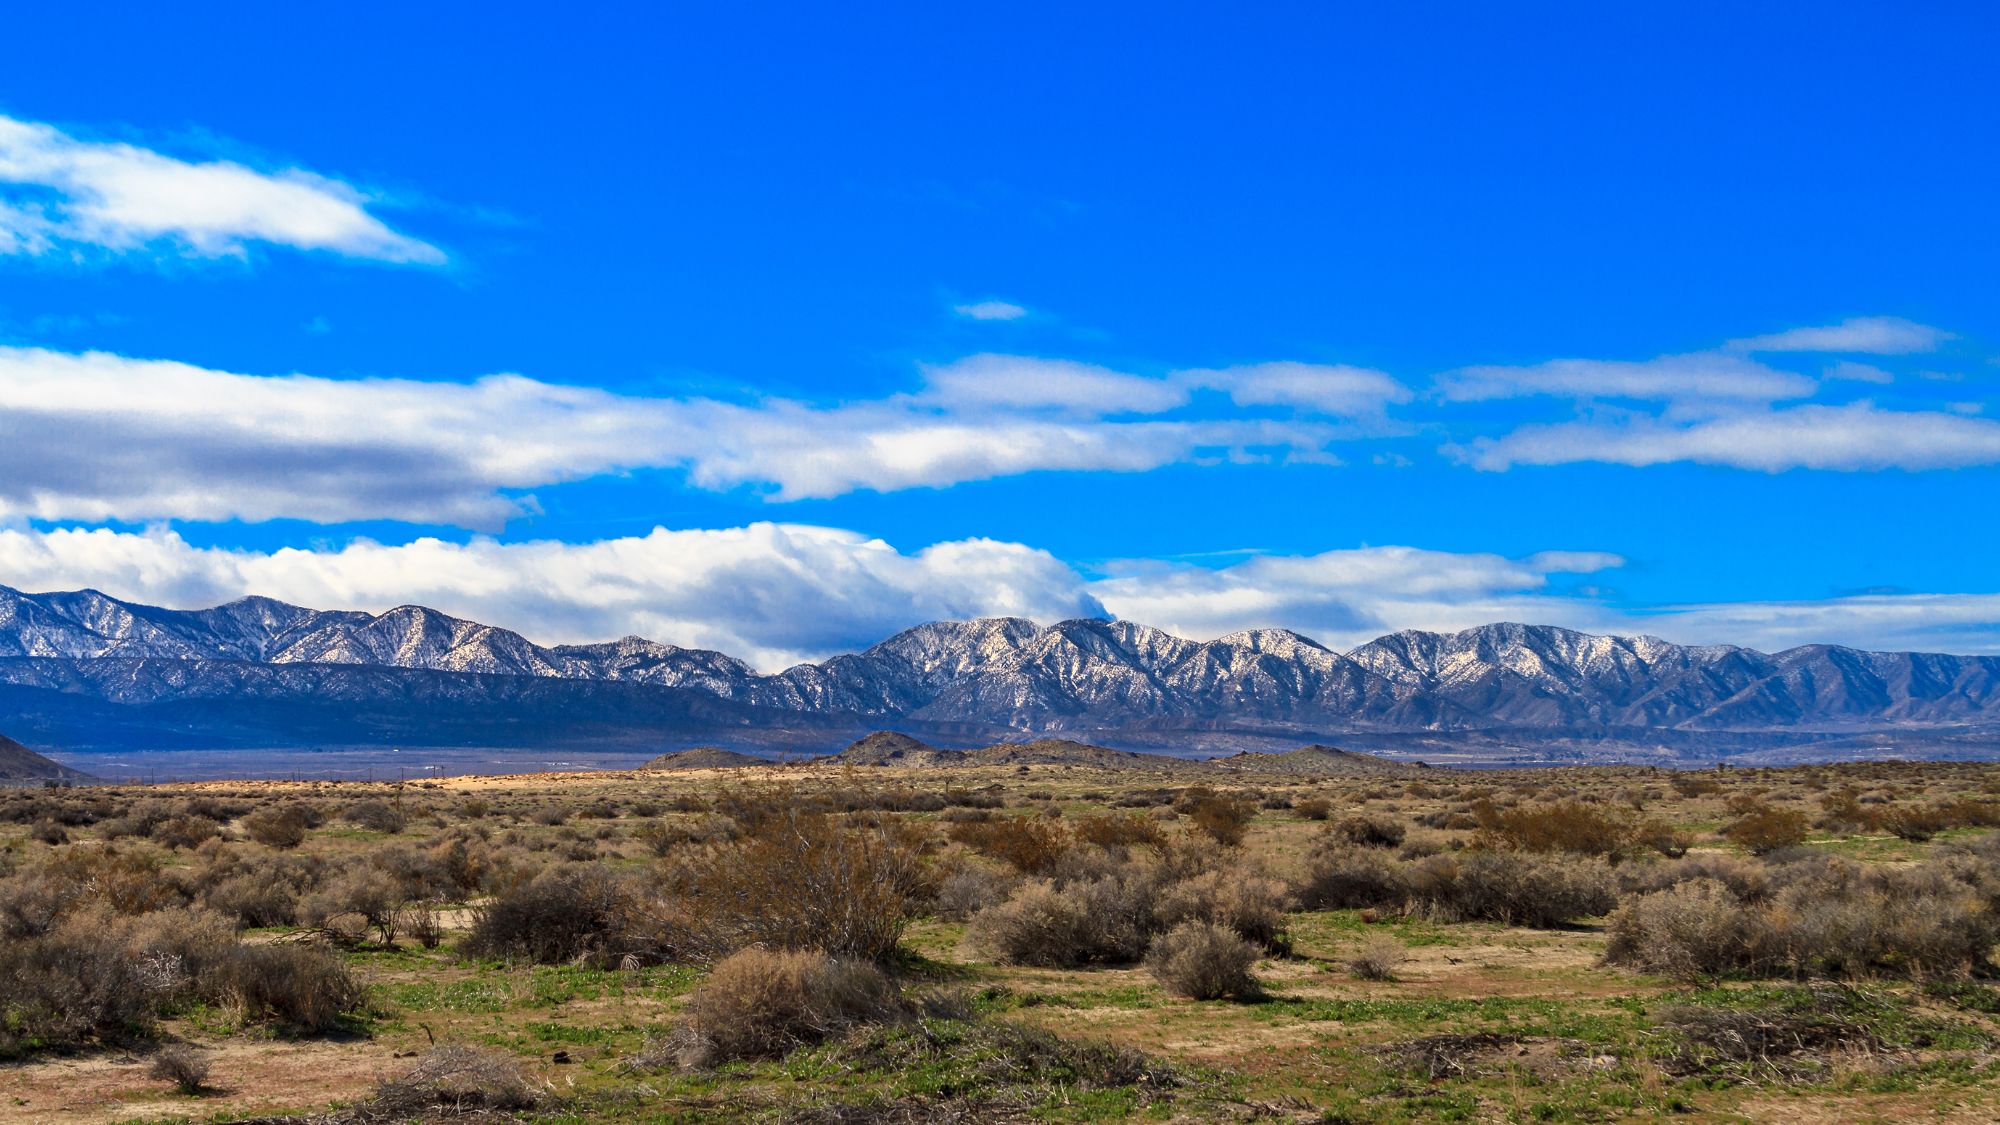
x: 1951, y: 623
x: 1858, y: 436
x: 1697, y: 376
x: 173, y: 441
x: 990, y: 310
x: 1869, y: 335
x: 1847, y: 370
x: 97, y: 437
x: 1334, y: 389
x: 1348, y: 597
x: 69, y: 195
x: 1028, y: 383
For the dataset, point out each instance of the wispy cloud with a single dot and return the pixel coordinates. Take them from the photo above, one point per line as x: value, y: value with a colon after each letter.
x: 1857, y: 436
x: 1700, y: 375
x: 63, y: 195
x: 1867, y: 335
x: 990, y: 310
x: 1727, y: 408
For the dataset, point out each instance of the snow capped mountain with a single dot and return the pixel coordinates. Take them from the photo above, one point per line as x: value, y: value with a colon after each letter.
x: 1012, y: 673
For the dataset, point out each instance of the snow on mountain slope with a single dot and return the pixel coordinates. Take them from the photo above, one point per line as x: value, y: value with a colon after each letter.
x: 1012, y: 672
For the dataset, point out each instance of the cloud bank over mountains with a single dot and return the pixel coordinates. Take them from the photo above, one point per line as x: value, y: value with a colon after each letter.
x: 777, y: 594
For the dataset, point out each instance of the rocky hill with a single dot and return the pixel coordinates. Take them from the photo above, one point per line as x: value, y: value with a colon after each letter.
x: 20, y: 764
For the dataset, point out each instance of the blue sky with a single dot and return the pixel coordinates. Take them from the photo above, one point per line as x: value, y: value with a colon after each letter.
x: 775, y: 329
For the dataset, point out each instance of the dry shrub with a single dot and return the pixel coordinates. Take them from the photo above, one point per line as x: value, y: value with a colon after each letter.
x: 49, y: 830
x: 1842, y: 920
x: 1030, y: 845
x: 1786, y: 1040
x: 662, y: 837
x: 375, y: 816
x: 805, y: 882
x: 1341, y: 876
x: 1513, y: 888
x: 1226, y: 820
x: 105, y: 977
x: 1762, y: 829
x: 1369, y: 831
x: 1563, y: 826
x: 185, y: 831
x: 301, y: 988
x: 1250, y: 905
x: 760, y: 1003
x: 280, y: 827
x: 455, y: 1080
x: 1691, y: 930
x: 424, y: 922
x: 1120, y: 830
x: 562, y: 914
x: 1313, y: 808
x: 1916, y: 823
x: 254, y: 898
x: 1202, y: 961
x: 184, y: 1066
x: 969, y: 890
x: 1689, y: 786
x: 126, y: 881
x: 1841, y: 812
x: 1101, y: 921
x: 360, y: 898
x: 1378, y: 958
x: 1662, y: 837
x: 1747, y: 879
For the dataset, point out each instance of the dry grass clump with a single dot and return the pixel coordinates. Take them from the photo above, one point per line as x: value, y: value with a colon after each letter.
x: 186, y: 1067
x: 453, y: 1079
x: 761, y: 1003
x: 1785, y: 1037
x: 1203, y: 961
x: 1378, y: 958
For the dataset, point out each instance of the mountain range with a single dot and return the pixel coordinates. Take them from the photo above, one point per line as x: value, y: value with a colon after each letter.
x: 83, y: 670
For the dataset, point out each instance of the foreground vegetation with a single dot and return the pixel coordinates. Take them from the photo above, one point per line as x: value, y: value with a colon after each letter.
x: 1038, y: 942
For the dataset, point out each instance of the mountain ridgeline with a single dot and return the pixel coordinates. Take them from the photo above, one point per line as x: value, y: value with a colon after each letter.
x: 86, y: 670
